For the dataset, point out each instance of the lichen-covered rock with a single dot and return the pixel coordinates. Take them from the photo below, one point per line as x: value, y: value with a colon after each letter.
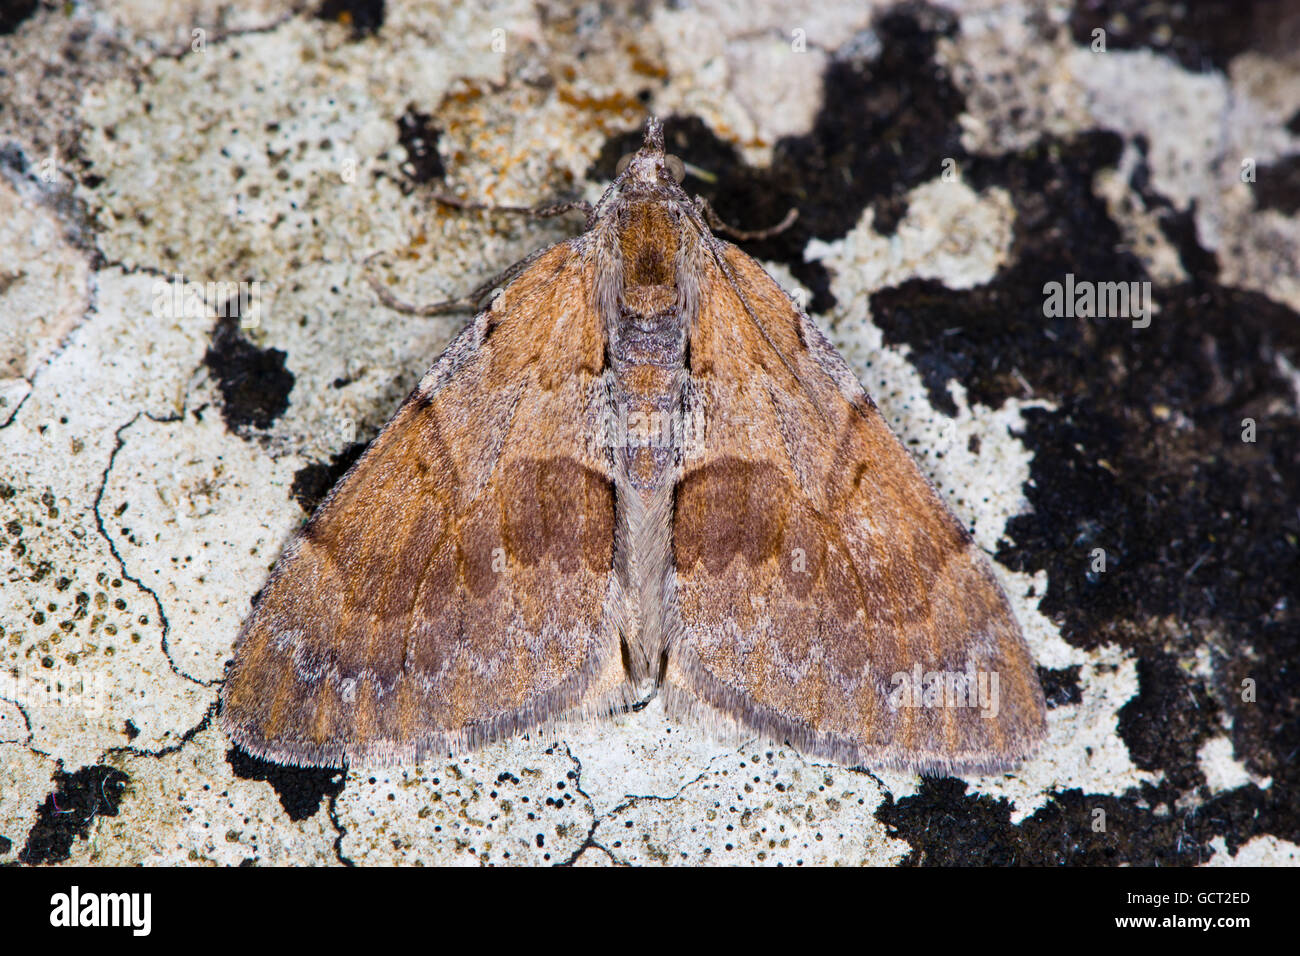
x: 162, y: 440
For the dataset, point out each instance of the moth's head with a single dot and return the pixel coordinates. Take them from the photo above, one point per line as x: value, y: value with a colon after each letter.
x: 650, y: 167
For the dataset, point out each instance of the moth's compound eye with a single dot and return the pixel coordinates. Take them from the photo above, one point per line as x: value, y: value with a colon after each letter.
x: 676, y: 168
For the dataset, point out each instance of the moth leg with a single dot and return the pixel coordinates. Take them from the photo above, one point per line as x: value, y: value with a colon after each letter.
x: 716, y: 223
x: 469, y: 302
x: 542, y: 211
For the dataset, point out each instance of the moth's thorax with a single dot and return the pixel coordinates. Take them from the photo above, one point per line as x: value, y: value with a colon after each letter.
x: 647, y: 342
x: 648, y: 240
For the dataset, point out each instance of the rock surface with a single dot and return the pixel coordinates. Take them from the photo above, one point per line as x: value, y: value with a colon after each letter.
x: 947, y: 163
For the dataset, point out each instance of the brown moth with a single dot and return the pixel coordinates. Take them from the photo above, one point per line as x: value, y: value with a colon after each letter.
x: 642, y: 469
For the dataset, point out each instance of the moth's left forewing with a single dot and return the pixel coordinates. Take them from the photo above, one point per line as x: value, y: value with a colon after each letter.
x: 819, y: 576
x: 457, y: 586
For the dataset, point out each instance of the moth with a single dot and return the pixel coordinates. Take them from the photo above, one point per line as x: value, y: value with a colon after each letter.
x: 641, y: 470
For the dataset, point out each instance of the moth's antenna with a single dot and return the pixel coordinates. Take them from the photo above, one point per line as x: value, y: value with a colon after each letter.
x: 654, y: 134
x: 600, y: 203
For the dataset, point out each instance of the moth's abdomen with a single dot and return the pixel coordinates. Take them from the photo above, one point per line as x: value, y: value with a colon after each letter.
x: 647, y: 355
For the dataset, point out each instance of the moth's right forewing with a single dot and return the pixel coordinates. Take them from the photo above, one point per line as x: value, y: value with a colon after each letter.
x: 458, y: 583
x: 815, y: 564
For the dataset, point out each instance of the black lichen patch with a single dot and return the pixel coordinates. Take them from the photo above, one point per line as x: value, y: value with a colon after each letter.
x: 1144, y: 459
x: 254, y: 383
x: 1147, y: 463
x: 1060, y: 687
x: 1277, y: 186
x: 1166, y: 722
x: 300, y: 789
x: 1202, y: 36
x: 13, y: 13
x: 888, y: 124
x: 948, y: 827
x: 312, y: 483
x: 985, y: 337
x: 365, y: 17
x: 69, y: 811
x: 419, y: 137
x: 980, y: 834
